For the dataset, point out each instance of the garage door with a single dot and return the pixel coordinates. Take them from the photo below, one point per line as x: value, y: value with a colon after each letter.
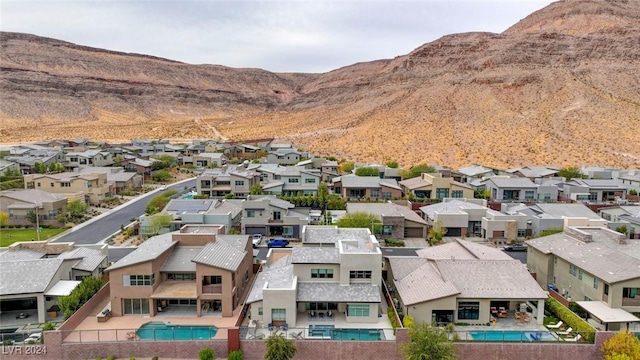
x: 413, y: 233
x: 255, y: 230
x: 454, y: 232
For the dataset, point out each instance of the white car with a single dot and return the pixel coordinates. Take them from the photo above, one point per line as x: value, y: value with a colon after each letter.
x: 256, y: 240
x: 163, y: 187
x: 33, y: 338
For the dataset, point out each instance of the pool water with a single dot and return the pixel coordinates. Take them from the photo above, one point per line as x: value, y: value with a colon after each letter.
x: 358, y: 334
x: 162, y: 331
x: 512, y: 336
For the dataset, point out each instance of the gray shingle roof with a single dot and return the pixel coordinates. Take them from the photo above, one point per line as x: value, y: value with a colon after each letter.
x: 315, y: 255
x: 89, y: 259
x: 180, y: 259
x: 334, y: 292
x: 148, y: 251
x: 354, y: 181
x: 21, y: 254
x: 503, y: 182
x: 27, y: 276
x: 570, y: 210
x: 278, y: 275
x: 422, y: 284
x: 220, y: 254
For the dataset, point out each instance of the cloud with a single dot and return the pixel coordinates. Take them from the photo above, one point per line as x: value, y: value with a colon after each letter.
x: 283, y: 36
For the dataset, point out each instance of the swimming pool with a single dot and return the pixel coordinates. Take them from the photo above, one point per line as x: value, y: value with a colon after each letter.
x: 358, y: 334
x: 162, y: 331
x: 512, y: 336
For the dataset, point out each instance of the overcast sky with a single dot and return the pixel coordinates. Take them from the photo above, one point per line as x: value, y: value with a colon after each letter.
x: 279, y: 36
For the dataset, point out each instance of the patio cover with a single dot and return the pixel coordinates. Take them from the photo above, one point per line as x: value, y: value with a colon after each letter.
x: 607, y: 315
x: 62, y: 288
x: 176, y: 290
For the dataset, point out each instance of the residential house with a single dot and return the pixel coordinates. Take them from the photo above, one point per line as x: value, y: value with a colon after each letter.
x: 35, y: 274
x: 436, y: 186
x: 475, y: 171
x: 285, y: 156
x: 462, y: 281
x: 366, y: 187
x: 9, y: 166
x: 270, y: 216
x: 630, y: 180
x: 511, y: 189
x: 625, y: 215
x: 225, y: 212
x: 398, y: 221
x: 594, y: 191
x: 140, y: 166
x: 93, y: 157
x: 197, y: 269
x: 209, y: 160
x: 122, y: 180
x: 589, y: 264
x: 342, y: 277
x: 91, y: 188
x: 18, y: 204
x: 471, y: 217
x: 230, y: 179
x: 26, y: 156
x: 546, y: 216
x: 534, y: 173
x: 329, y: 170
x: 290, y: 180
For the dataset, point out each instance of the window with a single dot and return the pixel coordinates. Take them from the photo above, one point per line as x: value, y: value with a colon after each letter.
x: 181, y: 276
x: 528, y: 194
x: 595, y: 282
x: 573, y: 269
x: 593, y: 196
x: 586, y: 298
x: 360, y: 274
x: 468, y: 310
x: 309, y: 181
x: 239, y: 182
x: 38, y: 184
x: 375, y: 193
x: 606, y: 289
x: 65, y: 184
x: 442, y: 193
x: 387, y: 229
x: 522, y: 233
x: 138, y: 280
x: 215, y: 279
x: 294, y: 180
x: 251, y: 213
x: 361, y: 310
x: 287, y: 230
x: 322, y: 273
x: 277, y: 215
x: 278, y: 314
x: 52, y: 185
x: 580, y: 274
x: 135, y: 306
x: 386, y: 195
x: 260, y: 310
x: 555, y: 260
x: 547, y: 197
x: 457, y: 194
x: 630, y: 292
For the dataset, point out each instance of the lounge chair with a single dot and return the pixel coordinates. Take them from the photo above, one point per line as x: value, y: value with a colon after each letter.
x: 573, y: 339
x: 256, y: 337
x: 284, y: 327
x: 556, y: 325
x: 297, y: 335
x: 565, y: 332
x: 271, y: 327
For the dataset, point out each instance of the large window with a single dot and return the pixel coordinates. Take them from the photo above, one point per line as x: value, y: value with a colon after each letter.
x: 528, y: 195
x: 322, y: 273
x: 251, y: 213
x: 595, y: 282
x: 375, y: 193
x: 457, y: 194
x: 387, y: 230
x: 278, y: 314
x: 138, y: 280
x: 630, y: 292
x: 239, y: 182
x: 386, y: 195
x: 360, y: 274
x: 442, y: 193
x: 593, y: 196
x: 358, y: 310
x: 135, y: 306
x: 181, y: 276
x: 468, y: 310
x: 277, y: 215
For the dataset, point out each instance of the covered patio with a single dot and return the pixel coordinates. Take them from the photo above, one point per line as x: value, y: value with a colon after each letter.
x: 611, y: 318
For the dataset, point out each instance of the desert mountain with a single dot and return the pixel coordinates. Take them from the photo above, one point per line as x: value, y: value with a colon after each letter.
x: 560, y: 87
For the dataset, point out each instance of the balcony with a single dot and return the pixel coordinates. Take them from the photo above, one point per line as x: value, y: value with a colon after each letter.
x: 275, y: 221
x: 635, y: 301
x: 212, y: 289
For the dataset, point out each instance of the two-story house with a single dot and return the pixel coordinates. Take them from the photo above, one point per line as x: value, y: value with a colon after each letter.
x: 93, y: 157
x: 90, y: 188
x: 511, y: 189
x: 285, y: 156
x: 198, y: 269
x: 594, y: 191
x: 363, y: 187
x: 230, y: 179
x: 340, y: 279
x: 18, y: 203
x: 267, y: 215
x: 398, y: 221
x: 436, y: 186
x: 291, y: 181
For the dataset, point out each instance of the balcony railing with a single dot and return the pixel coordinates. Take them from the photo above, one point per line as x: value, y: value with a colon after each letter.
x: 275, y: 221
x: 631, y: 301
x: 212, y: 289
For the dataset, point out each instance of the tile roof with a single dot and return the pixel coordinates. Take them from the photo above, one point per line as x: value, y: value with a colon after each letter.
x: 180, y: 259
x: 21, y: 254
x: 32, y: 195
x: 386, y: 209
x: 569, y: 210
x: 422, y: 284
x: 335, y: 292
x: 414, y: 183
x: 315, y: 255
x: 189, y: 206
x: 148, y: 251
x: 27, y: 276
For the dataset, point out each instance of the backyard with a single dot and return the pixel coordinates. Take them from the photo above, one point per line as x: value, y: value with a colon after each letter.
x: 10, y: 236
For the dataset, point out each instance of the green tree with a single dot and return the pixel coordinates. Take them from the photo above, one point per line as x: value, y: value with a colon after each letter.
x: 323, y: 195
x: 279, y: 348
x: 428, y: 343
x: 256, y: 189
x: 360, y: 220
x: 158, y: 222
x: 633, y: 192
x: 76, y: 208
x: 4, y: 218
x: 392, y: 164
x: 482, y: 194
x: 80, y: 295
x: 408, y: 322
x: 206, y: 354
x: 346, y: 167
x: 570, y: 172
x: 230, y: 196
x: 622, y: 229
x: 39, y: 168
x: 416, y: 171
x: 31, y: 216
x: 621, y: 346
x: 437, y: 232
x: 161, y: 175
x: 163, y: 162
x: 367, y: 171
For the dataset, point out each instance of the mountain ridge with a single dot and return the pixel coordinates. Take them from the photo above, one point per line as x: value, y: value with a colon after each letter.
x: 547, y: 90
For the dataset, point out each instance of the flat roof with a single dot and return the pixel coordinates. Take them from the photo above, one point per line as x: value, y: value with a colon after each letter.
x: 62, y: 288
x: 606, y: 314
x: 334, y: 292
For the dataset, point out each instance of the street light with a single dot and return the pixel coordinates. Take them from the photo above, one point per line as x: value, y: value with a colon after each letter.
x: 37, y: 219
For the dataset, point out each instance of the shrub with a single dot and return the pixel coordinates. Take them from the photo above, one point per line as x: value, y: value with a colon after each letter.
x: 392, y: 317
x: 394, y: 242
x: 571, y: 319
x: 111, y: 357
x: 408, y: 321
x: 235, y: 355
x: 206, y: 354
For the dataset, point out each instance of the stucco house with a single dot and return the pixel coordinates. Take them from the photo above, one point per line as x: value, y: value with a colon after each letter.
x: 436, y: 186
x: 398, y: 221
x: 363, y: 187
x: 511, y: 189
x: 19, y: 202
x: 91, y: 188
x: 267, y: 215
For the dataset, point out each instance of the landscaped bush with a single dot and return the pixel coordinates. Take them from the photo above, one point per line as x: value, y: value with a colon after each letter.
x: 392, y: 317
x: 394, y: 242
x: 571, y: 319
x: 235, y: 355
x: 80, y: 295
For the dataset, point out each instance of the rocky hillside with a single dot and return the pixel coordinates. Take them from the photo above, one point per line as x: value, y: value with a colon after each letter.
x: 559, y: 87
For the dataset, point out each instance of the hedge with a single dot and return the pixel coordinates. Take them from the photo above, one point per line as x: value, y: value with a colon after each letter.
x: 571, y: 319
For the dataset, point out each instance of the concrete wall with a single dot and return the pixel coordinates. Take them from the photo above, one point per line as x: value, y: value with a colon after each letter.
x: 422, y: 313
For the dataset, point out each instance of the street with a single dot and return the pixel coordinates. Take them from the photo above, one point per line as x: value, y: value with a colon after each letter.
x: 97, y: 230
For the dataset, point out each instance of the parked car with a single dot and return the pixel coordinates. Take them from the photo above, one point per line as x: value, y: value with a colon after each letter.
x: 278, y: 242
x: 256, y: 240
x: 163, y: 187
x: 516, y: 247
x: 31, y: 339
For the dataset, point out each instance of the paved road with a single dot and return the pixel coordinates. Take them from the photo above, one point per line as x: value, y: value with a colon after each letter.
x: 95, y: 231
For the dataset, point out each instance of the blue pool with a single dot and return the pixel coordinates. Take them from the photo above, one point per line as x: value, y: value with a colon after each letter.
x: 162, y: 331
x: 512, y: 336
x: 329, y: 331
